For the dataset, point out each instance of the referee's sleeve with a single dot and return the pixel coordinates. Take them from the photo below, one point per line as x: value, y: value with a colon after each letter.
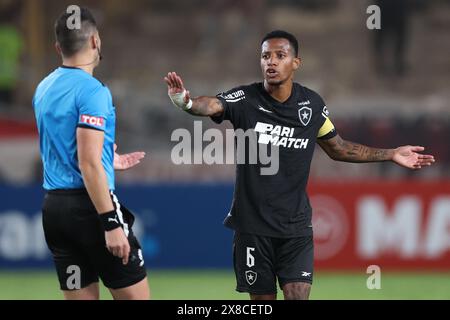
x: 93, y: 108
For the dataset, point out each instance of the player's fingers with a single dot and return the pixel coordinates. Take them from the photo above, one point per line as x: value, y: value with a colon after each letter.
x: 113, y: 250
x: 138, y: 154
x: 187, y: 96
x: 118, y: 251
x: 126, y: 254
x: 134, y: 159
x: 429, y: 159
x: 181, y: 82
x: 170, y: 83
x: 135, y: 156
x: 178, y: 81
x: 172, y: 80
x: 170, y: 76
x: 426, y: 162
x: 417, y: 148
x: 175, y: 81
x: 426, y: 157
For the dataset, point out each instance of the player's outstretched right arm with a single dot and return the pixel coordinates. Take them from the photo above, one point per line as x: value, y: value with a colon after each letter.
x: 406, y: 156
x: 200, y: 106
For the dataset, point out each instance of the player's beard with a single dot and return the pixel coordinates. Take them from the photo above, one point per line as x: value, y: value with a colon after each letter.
x: 276, y: 82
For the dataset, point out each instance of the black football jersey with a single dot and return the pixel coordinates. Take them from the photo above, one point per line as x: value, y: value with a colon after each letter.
x: 274, y: 205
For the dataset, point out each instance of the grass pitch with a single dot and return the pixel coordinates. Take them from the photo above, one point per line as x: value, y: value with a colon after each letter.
x: 220, y: 284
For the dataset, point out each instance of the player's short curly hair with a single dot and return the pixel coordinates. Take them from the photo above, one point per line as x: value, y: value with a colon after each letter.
x: 73, y: 40
x: 283, y: 35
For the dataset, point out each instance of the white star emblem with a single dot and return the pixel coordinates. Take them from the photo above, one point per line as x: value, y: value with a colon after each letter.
x: 305, y: 115
x: 250, y: 276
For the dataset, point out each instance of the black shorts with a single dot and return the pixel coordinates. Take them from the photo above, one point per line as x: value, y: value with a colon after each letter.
x: 76, y: 239
x: 259, y: 261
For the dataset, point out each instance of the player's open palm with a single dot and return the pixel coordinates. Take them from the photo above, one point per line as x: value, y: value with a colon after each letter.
x: 175, y: 85
x: 117, y: 243
x: 409, y: 157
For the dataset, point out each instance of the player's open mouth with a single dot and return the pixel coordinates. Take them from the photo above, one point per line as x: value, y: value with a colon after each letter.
x: 271, y: 73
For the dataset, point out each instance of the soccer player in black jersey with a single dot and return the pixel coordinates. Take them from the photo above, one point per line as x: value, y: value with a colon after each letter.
x: 271, y: 214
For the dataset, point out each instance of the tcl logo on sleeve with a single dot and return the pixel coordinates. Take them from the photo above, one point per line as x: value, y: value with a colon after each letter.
x: 91, y: 120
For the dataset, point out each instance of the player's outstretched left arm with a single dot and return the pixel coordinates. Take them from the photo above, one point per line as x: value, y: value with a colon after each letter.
x: 347, y: 151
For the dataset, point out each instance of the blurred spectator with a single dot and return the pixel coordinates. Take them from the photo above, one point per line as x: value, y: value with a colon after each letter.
x: 11, y: 43
x: 307, y: 4
x: 250, y: 24
x: 390, y: 42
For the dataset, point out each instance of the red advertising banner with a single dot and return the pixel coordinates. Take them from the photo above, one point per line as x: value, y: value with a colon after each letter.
x: 395, y: 225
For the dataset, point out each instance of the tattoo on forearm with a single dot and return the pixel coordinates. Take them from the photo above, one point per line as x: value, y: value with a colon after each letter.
x: 205, y: 106
x: 353, y: 152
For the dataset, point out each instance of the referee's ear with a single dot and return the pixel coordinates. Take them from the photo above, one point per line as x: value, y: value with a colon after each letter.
x: 58, y: 48
x: 92, y: 42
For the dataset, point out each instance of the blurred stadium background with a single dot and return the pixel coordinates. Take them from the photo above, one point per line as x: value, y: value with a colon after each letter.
x: 383, y: 88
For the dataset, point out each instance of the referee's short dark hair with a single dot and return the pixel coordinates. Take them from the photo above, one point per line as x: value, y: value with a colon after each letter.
x: 283, y: 35
x: 73, y: 40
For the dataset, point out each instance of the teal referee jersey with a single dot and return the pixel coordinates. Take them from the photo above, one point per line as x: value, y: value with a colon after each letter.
x: 66, y: 99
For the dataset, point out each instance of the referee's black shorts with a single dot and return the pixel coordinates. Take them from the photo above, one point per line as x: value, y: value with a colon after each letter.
x: 76, y: 239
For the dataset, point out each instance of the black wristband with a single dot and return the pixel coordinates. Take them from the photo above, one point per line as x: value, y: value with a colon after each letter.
x: 109, y: 220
